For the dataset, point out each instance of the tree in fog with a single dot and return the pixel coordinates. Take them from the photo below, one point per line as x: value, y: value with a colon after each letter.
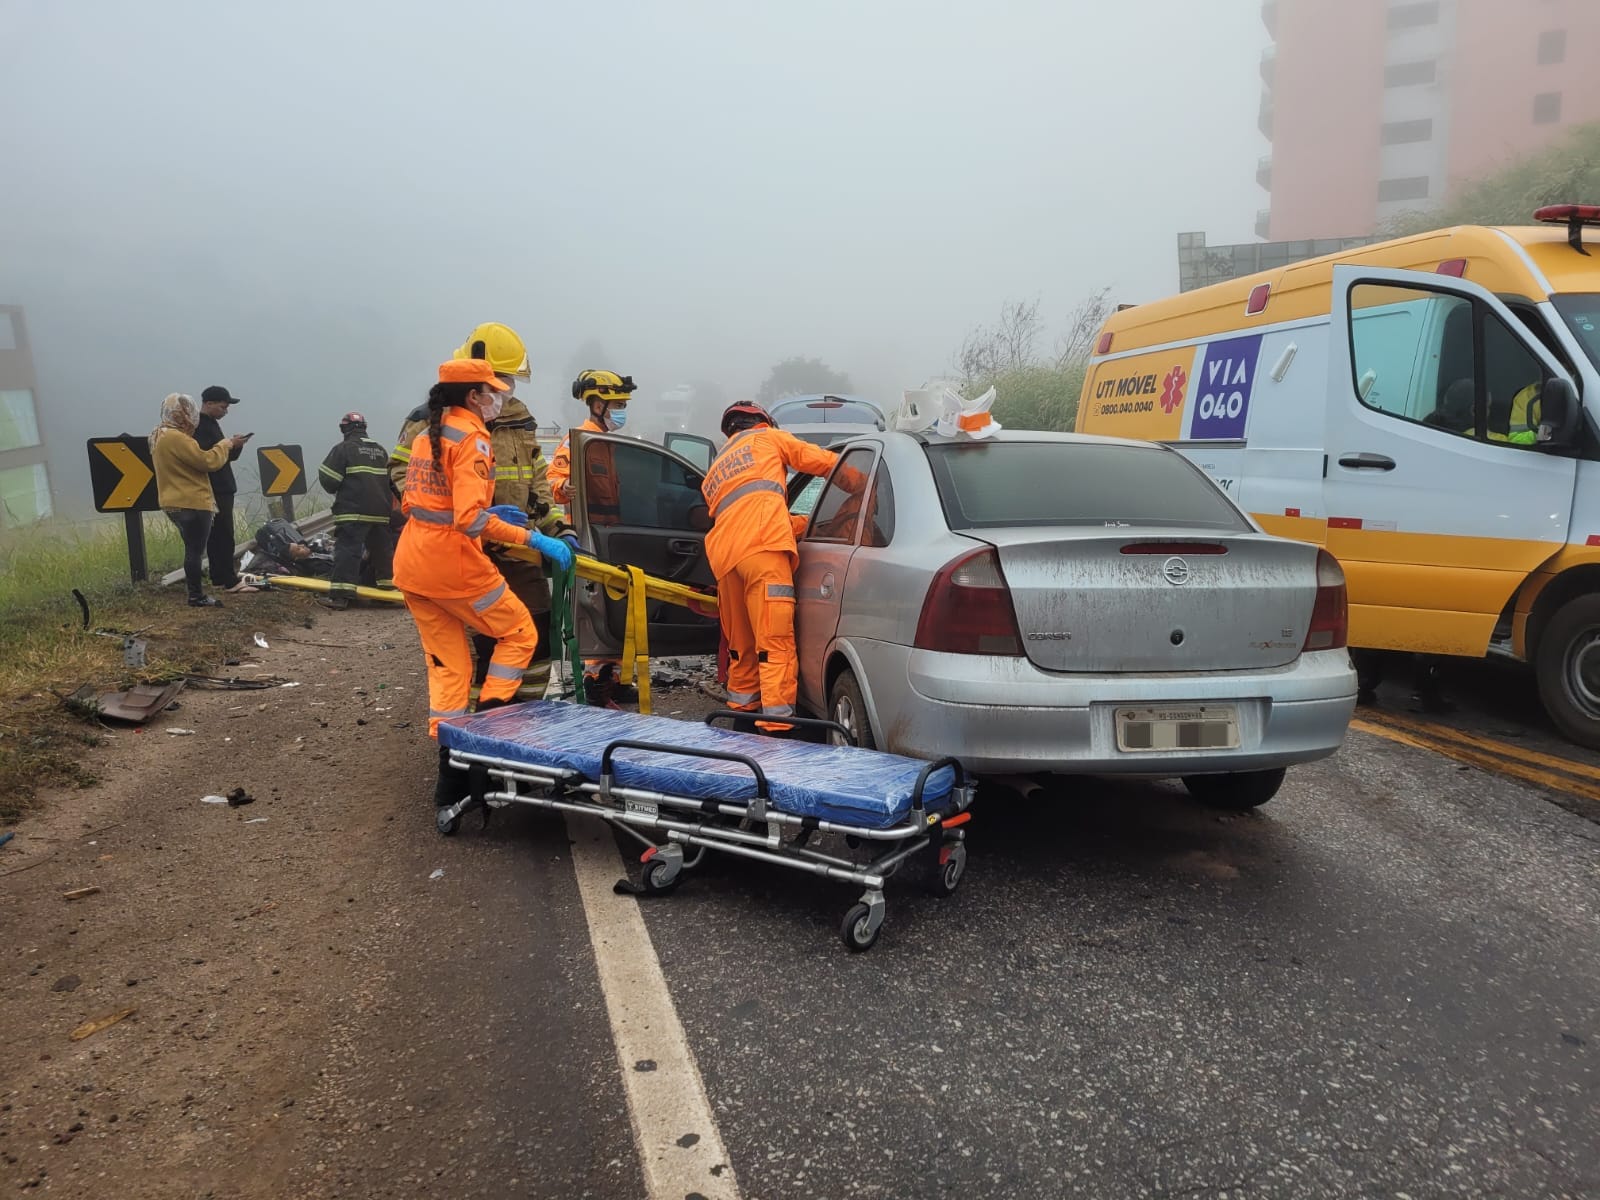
x: 1032, y: 392
x: 801, y: 377
x: 1565, y: 172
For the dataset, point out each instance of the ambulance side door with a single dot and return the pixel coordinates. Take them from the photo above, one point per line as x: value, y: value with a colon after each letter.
x: 1435, y: 516
x: 636, y: 504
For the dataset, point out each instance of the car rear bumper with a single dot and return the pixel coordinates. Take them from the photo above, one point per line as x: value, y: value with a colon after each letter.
x: 1005, y: 716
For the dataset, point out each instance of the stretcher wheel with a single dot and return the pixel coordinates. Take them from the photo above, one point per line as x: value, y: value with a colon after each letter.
x: 948, y: 870
x: 446, y: 825
x: 661, y: 877
x: 858, y: 929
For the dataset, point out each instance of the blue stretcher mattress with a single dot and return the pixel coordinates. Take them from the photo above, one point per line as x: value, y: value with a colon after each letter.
x: 832, y: 783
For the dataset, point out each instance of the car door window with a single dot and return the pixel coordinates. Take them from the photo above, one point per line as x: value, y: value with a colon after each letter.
x: 635, y: 484
x: 698, y: 450
x: 838, y: 512
x: 1417, y: 354
x: 878, y: 529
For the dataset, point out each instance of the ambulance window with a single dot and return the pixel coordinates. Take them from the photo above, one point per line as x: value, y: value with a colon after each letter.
x: 839, y: 510
x: 1409, y: 346
x: 1515, y: 378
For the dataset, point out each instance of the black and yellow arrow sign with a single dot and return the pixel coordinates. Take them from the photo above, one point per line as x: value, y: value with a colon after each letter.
x: 283, y: 470
x: 122, y: 475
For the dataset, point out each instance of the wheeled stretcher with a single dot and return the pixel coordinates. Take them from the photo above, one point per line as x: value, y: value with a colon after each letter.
x: 682, y: 789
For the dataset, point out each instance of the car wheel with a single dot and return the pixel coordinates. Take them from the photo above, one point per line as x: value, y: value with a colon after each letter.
x: 1238, y: 791
x: 847, y: 707
x: 1568, y: 669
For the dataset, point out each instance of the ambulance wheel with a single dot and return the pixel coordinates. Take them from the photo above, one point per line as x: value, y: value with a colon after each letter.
x: 1238, y: 791
x: 659, y: 878
x: 1568, y: 669
x: 848, y: 707
x: 446, y: 826
x: 948, y: 872
x: 857, y: 929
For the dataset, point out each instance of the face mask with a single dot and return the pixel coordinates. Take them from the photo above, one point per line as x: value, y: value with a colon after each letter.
x: 619, y: 418
x: 490, y: 408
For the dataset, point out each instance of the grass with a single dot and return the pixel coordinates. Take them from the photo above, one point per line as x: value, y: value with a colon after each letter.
x: 46, y: 653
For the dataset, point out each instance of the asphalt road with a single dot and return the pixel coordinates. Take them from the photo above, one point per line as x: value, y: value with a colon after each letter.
x: 1385, y: 983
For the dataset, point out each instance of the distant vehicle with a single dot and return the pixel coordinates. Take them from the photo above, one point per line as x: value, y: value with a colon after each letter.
x: 825, y: 419
x: 1034, y: 603
x: 1426, y: 409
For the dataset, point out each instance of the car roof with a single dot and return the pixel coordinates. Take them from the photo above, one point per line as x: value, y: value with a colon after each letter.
x: 931, y: 438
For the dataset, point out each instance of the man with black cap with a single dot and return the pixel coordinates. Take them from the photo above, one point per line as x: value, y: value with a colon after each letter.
x: 214, y: 404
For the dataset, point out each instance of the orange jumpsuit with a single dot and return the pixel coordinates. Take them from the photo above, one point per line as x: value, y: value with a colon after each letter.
x: 602, y: 496
x: 752, y: 553
x: 448, y: 580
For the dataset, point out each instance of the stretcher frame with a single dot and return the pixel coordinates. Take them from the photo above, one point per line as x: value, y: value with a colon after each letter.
x: 751, y: 829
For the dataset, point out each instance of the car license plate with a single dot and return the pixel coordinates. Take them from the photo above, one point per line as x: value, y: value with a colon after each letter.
x: 1207, y: 727
x: 640, y: 808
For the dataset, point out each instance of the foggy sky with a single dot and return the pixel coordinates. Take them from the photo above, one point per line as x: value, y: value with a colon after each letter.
x: 312, y: 203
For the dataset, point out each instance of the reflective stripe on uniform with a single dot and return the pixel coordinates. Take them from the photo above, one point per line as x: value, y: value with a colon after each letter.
x: 777, y: 710
x: 479, y: 524
x: 366, y: 470
x: 433, y: 516
x: 742, y: 699
x: 401, y: 454
x: 508, y: 472
x: 780, y: 591
x: 439, y: 714
x: 484, y: 602
x: 331, y: 473
x: 363, y: 518
x: 451, y: 434
x: 502, y: 671
x: 743, y: 490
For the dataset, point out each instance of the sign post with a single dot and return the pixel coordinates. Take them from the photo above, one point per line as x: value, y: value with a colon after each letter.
x: 124, y: 481
x: 283, y: 474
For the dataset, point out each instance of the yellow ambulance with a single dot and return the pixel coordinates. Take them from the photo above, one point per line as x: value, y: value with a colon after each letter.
x: 1426, y: 409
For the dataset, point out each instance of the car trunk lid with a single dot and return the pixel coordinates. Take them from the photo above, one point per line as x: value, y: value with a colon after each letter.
x: 1097, y: 600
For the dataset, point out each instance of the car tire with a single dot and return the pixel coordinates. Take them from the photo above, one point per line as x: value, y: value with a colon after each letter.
x: 847, y: 707
x: 1567, y: 667
x: 1239, y: 791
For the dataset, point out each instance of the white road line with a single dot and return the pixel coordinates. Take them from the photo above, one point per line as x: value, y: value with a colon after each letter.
x: 680, y: 1146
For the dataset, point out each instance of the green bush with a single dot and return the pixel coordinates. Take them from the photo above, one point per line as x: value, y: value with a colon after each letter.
x: 1038, y: 397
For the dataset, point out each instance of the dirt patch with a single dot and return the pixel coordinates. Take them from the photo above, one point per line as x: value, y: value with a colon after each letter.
x: 229, y: 931
x: 47, y: 651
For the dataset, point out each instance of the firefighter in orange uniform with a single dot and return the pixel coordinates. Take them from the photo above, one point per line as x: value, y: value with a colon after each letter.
x: 751, y: 548
x: 440, y: 565
x: 606, y: 395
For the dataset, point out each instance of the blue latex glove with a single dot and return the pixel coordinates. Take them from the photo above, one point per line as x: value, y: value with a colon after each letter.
x: 510, y: 514
x: 571, y: 539
x: 554, y: 549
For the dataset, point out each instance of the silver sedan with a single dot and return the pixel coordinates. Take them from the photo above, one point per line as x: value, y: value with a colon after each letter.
x: 1047, y: 603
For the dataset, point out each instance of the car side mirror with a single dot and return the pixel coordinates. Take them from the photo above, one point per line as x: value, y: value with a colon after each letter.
x: 1558, y: 413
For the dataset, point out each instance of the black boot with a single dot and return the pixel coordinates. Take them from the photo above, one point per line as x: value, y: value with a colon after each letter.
x: 453, y: 784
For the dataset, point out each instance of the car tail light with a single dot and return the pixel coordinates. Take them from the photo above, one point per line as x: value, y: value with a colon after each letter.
x: 1330, y: 615
x: 968, y: 609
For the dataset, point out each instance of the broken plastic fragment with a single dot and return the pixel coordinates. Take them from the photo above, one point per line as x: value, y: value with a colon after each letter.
x: 181, y: 732
x: 262, y: 642
x: 438, y: 873
x: 213, y: 799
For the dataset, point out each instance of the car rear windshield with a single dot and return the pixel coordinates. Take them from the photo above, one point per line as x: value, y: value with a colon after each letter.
x: 827, y: 412
x: 988, y: 484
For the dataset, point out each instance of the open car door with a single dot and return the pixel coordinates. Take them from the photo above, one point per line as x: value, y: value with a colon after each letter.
x: 639, y: 505
x: 692, y: 448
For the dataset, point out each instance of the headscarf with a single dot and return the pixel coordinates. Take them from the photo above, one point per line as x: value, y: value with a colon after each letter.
x: 177, y: 412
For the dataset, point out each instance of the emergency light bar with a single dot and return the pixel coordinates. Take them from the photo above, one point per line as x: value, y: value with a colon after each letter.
x: 1574, y: 217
